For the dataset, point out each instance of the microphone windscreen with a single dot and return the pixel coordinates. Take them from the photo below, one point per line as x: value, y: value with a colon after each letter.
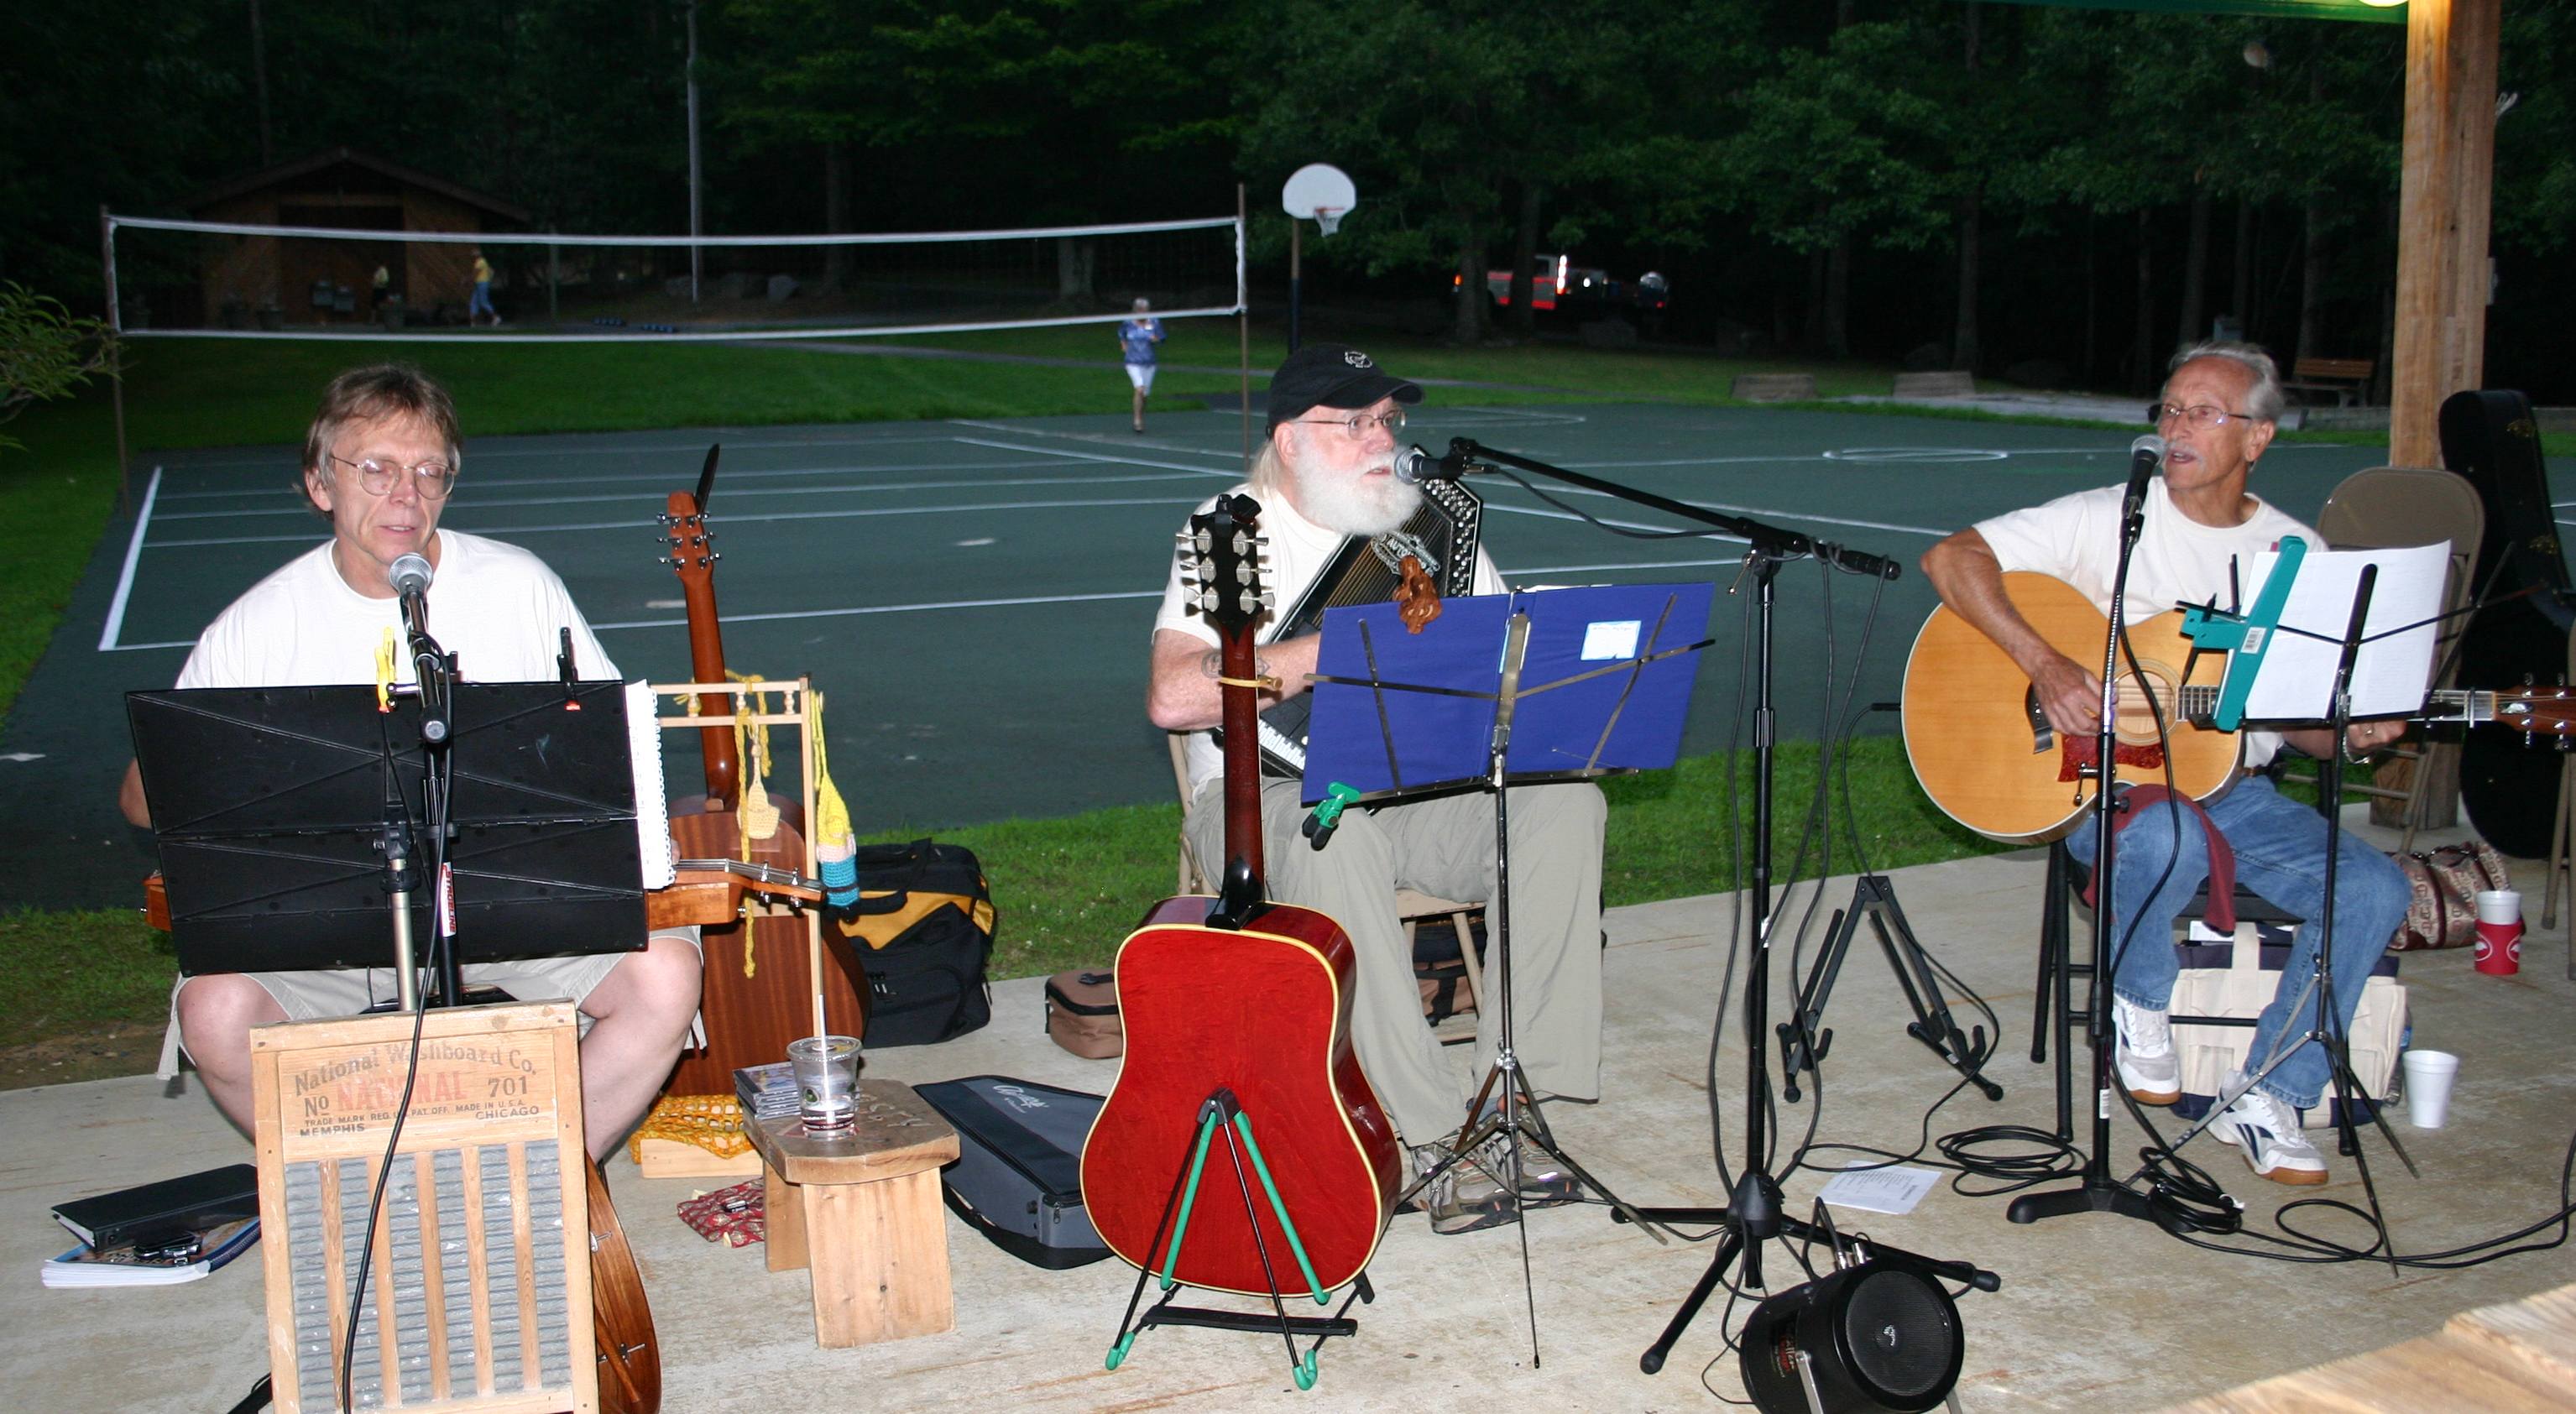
x: 2150, y: 443
x: 409, y: 574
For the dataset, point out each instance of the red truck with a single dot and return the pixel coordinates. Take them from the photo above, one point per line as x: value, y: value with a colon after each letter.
x: 1556, y: 282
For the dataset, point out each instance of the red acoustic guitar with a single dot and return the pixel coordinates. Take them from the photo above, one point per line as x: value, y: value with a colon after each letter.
x: 1234, y: 1006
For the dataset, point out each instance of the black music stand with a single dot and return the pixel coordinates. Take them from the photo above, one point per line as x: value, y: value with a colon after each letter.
x: 1401, y: 715
x: 278, y: 810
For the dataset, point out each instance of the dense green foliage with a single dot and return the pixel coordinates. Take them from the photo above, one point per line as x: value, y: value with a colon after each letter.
x: 1886, y: 176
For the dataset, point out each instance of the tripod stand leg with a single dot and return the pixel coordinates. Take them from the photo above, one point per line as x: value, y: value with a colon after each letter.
x: 1727, y: 1247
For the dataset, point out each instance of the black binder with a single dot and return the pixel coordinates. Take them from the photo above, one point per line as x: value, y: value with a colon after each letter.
x: 194, y: 1201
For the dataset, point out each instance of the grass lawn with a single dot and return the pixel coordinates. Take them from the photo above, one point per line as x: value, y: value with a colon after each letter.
x: 1067, y: 889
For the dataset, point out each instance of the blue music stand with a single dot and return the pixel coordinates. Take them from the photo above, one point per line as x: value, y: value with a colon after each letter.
x: 1526, y: 688
x: 1603, y: 685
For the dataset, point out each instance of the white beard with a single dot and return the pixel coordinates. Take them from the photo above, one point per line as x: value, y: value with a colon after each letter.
x: 1355, y: 504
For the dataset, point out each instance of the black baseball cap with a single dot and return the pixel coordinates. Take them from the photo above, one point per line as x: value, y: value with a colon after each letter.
x: 1332, y: 376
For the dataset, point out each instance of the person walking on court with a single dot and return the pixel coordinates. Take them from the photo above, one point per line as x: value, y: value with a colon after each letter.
x: 481, y: 304
x: 1137, y: 337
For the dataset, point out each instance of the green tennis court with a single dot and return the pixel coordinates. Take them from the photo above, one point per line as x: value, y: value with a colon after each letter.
x: 974, y: 597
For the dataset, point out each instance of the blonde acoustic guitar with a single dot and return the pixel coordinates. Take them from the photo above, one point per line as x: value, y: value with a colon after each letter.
x: 1985, y: 753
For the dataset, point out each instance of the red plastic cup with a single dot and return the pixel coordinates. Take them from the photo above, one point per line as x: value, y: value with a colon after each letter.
x: 2500, y: 948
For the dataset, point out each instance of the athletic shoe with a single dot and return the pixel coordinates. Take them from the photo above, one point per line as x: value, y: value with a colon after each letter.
x: 2149, y: 1070
x: 1545, y: 1183
x: 2267, y: 1129
x: 1464, y: 1198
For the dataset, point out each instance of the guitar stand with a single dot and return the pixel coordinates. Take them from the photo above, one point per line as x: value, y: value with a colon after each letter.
x: 1222, y: 1113
x: 1803, y: 1043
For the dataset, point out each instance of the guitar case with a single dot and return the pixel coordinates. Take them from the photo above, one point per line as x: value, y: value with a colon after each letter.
x: 1018, y: 1175
x: 2508, y: 786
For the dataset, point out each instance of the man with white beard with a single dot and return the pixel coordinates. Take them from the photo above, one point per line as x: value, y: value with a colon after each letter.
x: 1326, y: 470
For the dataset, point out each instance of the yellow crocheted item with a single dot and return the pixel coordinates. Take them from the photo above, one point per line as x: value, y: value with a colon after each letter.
x: 711, y: 1122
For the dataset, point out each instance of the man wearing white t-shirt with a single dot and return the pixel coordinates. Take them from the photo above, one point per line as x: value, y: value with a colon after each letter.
x: 1325, y: 472
x: 2222, y: 402
x: 379, y: 462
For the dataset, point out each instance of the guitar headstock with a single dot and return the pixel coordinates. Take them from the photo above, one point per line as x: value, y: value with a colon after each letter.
x: 688, y: 547
x: 1221, y: 557
x: 2538, y: 711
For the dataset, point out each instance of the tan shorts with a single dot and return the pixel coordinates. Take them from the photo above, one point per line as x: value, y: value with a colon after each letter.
x: 348, y: 991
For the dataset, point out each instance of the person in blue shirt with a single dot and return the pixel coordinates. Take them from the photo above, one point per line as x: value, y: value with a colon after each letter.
x: 1136, y: 338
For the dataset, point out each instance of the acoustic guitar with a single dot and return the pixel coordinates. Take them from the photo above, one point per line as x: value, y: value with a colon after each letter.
x: 1985, y: 753
x: 1238, y: 996
x: 749, y: 1019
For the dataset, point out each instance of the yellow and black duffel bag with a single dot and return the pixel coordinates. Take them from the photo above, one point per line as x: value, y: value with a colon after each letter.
x: 923, y: 931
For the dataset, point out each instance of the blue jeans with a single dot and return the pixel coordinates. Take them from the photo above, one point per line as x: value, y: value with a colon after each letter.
x: 481, y: 303
x: 2280, y: 848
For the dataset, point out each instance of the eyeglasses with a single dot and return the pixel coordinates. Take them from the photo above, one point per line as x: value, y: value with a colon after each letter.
x: 434, y: 478
x: 2200, y: 415
x: 1359, y: 424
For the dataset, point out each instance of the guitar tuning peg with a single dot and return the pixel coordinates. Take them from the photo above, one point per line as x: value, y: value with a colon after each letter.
x: 1207, y: 600
x: 666, y: 559
x: 1243, y: 572
x: 1269, y: 600
x: 1243, y: 543
x: 1251, y: 603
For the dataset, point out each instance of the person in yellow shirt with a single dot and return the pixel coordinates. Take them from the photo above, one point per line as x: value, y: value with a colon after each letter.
x: 481, y: 304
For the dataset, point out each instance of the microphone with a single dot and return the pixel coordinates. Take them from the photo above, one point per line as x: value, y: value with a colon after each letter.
x: 1413, y: 466
x: 410, y: 576
x: 2145, y: 455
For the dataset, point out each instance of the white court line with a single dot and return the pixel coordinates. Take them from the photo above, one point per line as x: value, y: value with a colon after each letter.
x: 637, y: 478
x: 738, y: 495
x: 864, y: 513
x: 125, y: 576
x: 285, y: 456
x: 926, y: 607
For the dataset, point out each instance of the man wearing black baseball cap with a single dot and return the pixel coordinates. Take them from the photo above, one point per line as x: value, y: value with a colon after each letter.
x: 1326, y: 472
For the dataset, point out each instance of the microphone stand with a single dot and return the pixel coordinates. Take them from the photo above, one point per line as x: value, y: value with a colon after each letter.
x: 1753, y: 1214
x: 434, y: 673
x: 2097, y: 1191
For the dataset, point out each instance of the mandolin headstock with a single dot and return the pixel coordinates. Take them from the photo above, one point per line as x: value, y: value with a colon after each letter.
x: 1221, y: 556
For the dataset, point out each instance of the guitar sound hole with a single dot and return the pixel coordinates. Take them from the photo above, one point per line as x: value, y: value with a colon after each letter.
x: 2135, y: 719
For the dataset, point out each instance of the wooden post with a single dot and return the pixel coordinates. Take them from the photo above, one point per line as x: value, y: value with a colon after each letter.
x: 2443, y: 217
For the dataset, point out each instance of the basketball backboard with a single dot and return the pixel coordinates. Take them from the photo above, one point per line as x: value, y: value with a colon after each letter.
x: 1319, y: 192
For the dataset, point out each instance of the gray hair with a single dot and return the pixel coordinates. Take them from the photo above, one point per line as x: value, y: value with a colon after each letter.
x: 2264, y: 401
x: 1268, y: 473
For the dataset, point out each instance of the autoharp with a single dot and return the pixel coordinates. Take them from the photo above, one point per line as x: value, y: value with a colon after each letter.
x: 1441, y: 533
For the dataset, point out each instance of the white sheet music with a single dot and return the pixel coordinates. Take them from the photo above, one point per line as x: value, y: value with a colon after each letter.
x: 2389, y: 678
x: 652, y: 802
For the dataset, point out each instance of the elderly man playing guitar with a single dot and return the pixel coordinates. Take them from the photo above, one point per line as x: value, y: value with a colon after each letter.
x: 2220, y: 407
x: 1326, y: 471
x: 379, y: 462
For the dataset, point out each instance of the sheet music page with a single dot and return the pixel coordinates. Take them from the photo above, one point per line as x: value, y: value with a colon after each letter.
x: 652, y: 800
x: 2391, y: 674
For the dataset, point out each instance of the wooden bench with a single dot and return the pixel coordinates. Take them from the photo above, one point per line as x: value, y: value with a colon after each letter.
x: 1945, y: 383
x: 1775, y: 387
x: 2347, y: 379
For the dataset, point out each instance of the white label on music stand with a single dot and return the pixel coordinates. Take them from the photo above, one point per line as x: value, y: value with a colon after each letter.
x: 1610, y: 640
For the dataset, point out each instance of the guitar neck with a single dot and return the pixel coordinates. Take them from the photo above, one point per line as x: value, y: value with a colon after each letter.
x: 1242, y: 707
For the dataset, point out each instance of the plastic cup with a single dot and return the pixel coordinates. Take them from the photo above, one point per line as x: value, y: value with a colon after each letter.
x: 2499, y: 948
x: 827, y: 1081
x: 2428, y: 1087
x: 2500, y: 906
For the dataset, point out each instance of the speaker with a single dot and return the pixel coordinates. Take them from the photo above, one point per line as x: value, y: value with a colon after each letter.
x: 1875, y: 1337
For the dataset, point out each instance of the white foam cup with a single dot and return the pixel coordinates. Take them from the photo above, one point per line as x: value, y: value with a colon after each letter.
x: 2499, y: 906
x: 2428, y: 1086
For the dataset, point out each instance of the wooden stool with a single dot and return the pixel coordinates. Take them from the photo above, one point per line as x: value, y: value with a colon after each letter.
x: 863, y: 1211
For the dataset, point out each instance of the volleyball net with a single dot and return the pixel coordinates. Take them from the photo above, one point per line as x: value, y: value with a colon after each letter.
x: 212, y: 279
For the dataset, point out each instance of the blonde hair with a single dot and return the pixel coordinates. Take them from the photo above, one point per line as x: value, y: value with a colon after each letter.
x: 372, y: 394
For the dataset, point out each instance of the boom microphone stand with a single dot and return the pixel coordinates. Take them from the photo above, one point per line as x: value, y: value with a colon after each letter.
x: 1753, y: 1213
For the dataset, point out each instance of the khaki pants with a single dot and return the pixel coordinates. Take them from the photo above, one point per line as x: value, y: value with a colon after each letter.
x: 1445, y: 846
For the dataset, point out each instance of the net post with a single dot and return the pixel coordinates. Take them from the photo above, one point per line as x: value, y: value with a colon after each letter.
x: 116, y: 331
x: 554, y: 277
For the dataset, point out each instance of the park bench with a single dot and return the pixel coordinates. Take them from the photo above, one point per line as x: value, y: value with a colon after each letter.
x: 2347, y: 379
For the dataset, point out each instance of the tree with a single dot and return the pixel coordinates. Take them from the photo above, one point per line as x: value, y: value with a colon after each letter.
x: 46, y: 351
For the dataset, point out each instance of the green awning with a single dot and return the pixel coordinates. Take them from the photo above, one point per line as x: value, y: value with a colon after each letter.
x: 2289, y: 9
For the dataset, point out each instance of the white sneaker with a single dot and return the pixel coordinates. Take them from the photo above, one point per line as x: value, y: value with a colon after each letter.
x: 2149, y: 1070
x: 2267, y: 1129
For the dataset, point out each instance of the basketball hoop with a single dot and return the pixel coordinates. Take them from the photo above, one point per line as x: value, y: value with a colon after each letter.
x: 1319, y: 192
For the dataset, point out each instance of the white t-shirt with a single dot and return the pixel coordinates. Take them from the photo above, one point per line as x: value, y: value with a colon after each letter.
x: 1294, y: 551
x: 2178, y: 559
x: 495, y: 606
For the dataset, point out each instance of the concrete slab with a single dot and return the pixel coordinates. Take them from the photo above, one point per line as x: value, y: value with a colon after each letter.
x: 2095, y: 1313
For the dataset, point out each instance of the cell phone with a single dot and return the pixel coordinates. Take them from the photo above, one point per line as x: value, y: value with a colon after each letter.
x: 169, y: 1246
